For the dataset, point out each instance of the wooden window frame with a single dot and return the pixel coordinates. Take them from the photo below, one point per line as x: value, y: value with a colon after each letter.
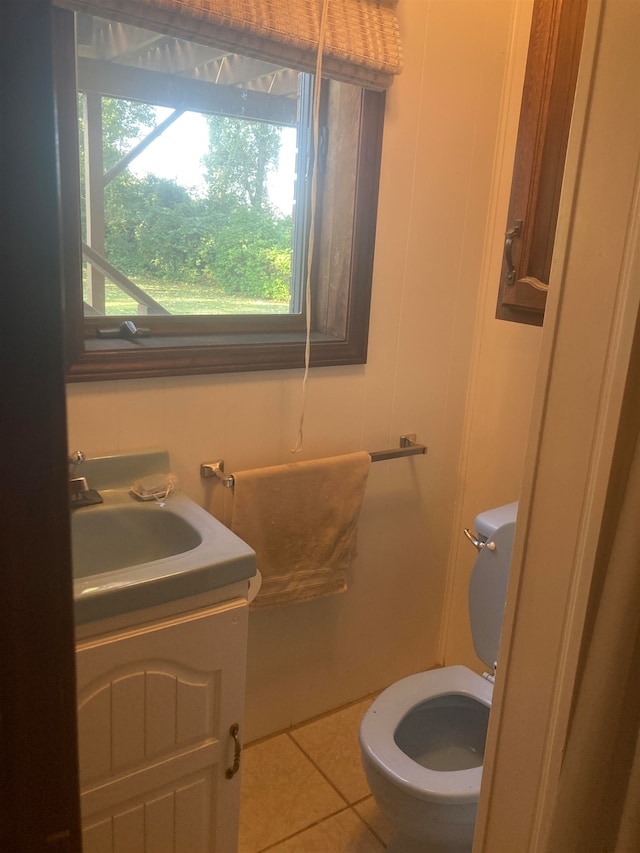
x: 342, y: 265
x: 555, y: 44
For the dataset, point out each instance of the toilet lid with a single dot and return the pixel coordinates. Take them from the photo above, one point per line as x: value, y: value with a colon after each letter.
x: 488, y: 593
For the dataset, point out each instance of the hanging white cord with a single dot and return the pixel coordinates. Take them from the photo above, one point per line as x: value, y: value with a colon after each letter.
x: 315, y: 119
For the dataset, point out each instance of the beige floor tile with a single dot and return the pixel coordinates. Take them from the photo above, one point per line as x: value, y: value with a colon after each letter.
x: 373, y: 817
x: 282, y: 793
x: 332, y: 743
x: 342, y: 833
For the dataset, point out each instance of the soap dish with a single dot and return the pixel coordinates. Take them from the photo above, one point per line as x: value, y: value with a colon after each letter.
x: 147, y: 496
x: 154, y: 487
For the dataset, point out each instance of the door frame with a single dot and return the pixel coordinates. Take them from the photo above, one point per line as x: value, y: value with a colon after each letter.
x: 593, y: 316
x: 39, y: 806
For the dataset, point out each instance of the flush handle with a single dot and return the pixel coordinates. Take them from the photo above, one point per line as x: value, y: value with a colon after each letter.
x: 477, y: 542
x: 231, y: 771
x: 509, y: 237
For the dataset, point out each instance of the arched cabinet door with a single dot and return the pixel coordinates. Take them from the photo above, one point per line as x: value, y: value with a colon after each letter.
x: 159, y: 762
x: 555, y: 44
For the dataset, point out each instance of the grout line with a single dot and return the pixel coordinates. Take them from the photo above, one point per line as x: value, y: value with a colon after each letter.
x: 304, y: 829
x: 368, y: 825
x: 361, y: 800
x: 275, y: 845
x: 350, y: 805
x: 337, y: 710
x: 347, y: 805
x: 319, y: 769
x: 295, y: 726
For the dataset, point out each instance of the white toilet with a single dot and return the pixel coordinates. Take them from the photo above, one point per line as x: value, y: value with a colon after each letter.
x: 422, y: 740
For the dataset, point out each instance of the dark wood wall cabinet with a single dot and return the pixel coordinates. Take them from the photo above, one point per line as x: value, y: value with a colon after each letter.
x: 547, y: 101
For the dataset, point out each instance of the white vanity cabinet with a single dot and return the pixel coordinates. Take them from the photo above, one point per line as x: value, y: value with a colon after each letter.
x: 157, y: 699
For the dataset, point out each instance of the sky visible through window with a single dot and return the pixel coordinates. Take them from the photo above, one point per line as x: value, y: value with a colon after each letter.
x: 177, y: 155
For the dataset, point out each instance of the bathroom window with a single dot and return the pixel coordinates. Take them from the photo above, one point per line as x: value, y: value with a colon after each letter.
x: 190, y: 205
x: 189, y: 165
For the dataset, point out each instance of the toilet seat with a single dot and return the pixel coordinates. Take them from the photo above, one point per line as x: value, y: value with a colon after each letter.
x: 392, y: 706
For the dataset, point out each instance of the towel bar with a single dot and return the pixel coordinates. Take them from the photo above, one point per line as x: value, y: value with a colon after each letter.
x: 408, y: 447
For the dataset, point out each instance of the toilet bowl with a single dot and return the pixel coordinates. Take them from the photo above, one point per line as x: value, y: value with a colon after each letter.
x: 422, y: 740
x: 422, y: 744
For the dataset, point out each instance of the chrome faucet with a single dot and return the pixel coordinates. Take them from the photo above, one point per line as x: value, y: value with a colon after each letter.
x: 79, y: 492
x: 77, y: 457
x: 77, y: 485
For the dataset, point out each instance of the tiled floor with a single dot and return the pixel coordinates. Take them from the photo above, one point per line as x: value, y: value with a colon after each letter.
x: 305, y: 791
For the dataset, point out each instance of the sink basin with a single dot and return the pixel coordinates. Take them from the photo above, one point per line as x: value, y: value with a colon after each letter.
x: 119, y: 536
x: 129, y: 555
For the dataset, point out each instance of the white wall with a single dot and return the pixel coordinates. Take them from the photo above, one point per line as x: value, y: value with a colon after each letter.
x: 444, y: 117
x: 504, y: 363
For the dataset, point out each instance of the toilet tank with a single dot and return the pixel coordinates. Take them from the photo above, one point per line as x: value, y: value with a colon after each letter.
x: 489, y: 577
x: 488, y: 522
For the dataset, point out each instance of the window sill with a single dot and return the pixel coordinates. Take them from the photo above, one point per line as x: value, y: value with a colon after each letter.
x: 176, y: 356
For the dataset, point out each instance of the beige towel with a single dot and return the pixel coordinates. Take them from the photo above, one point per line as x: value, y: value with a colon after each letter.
x: 301, y: 521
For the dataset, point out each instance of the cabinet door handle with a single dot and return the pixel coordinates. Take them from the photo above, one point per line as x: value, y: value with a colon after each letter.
x: 510, y: 236
x: 231, y: 771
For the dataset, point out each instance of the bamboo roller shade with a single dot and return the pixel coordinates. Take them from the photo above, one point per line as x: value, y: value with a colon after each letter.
x: 362, y: 41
